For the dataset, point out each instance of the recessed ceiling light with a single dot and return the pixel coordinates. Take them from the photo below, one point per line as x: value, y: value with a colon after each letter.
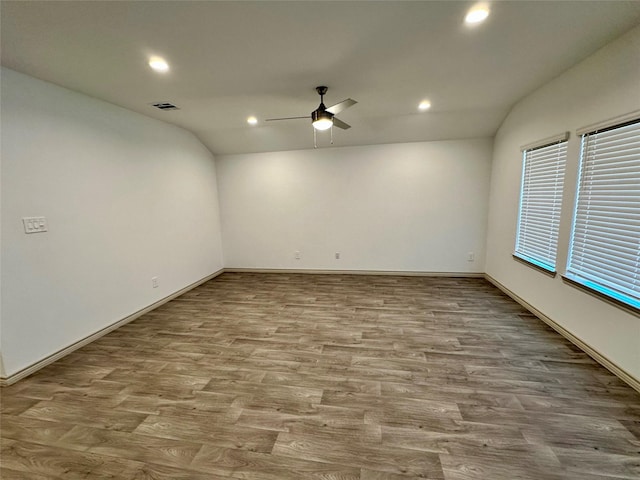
x: 159, y: 64
x: 252, y: 121
x: 424, y: 105
x: 477, y: 14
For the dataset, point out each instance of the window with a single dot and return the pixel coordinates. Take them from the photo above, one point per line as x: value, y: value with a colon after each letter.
x: 540, y: 202
x: 604, y: 254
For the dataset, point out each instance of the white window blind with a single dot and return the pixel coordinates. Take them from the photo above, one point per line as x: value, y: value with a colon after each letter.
x: 605, y: 242
x: 540, y: 204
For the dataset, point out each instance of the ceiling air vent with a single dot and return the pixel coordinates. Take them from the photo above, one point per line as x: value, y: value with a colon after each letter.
x: 165, y: 106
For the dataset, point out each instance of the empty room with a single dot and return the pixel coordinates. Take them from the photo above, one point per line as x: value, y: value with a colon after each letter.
x: 323, y: 240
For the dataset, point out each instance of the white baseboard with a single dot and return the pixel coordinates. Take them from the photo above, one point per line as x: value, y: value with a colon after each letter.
x: 592, y: 352
x: 618, y: 371
x: 25, y: 372
x: 399, y: 273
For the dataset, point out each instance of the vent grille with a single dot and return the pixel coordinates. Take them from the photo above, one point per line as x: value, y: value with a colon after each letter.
x: 165, y: 106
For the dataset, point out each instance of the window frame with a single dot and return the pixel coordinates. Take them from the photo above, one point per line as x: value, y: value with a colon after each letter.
x: 572, y: 275
x: 520, y: 252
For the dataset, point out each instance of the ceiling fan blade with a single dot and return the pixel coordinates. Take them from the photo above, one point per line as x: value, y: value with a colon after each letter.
x: 338, y: 107
x: 340, y: 124
x: 285, y: 118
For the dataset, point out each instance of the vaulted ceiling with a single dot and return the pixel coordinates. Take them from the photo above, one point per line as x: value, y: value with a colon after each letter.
x: 230, y: 60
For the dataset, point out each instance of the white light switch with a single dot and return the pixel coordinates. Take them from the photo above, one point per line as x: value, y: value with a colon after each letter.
x: 34, y: 224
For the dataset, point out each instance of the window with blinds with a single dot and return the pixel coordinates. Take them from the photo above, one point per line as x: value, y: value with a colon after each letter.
x: 604, y: 253
x: 540, y: 203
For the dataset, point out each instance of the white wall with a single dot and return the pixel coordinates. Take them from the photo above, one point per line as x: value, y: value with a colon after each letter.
x: 604, y: 86
x: 126, y: 198
x: 402, y: 207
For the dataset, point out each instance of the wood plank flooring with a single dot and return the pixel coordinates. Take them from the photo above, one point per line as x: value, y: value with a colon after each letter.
x: 325, y: 377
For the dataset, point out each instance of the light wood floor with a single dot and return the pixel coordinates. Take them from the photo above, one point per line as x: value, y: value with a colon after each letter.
x: 325, y: 377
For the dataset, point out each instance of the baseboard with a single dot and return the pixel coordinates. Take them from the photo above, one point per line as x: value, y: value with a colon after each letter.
x: 592, y: 352
x: 398, y: 273
x: 618, y: 371
x: 25, y: 372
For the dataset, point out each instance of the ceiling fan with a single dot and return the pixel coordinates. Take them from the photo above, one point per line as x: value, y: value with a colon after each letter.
x: 323, y: 118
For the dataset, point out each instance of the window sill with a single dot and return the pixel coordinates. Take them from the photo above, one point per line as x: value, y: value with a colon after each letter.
x: 601, y: 295
x: 529, y: 263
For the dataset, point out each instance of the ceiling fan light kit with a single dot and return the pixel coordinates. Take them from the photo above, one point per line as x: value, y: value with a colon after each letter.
x: 323, y: 118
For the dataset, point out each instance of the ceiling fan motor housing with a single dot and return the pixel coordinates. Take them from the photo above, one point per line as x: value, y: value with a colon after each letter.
x: 320, y: 114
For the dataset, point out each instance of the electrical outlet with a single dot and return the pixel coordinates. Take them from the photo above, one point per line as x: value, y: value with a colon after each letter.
x: 471, y: 257
x: 337, y: 255
x: 297, y: 255
x: 154, y: 282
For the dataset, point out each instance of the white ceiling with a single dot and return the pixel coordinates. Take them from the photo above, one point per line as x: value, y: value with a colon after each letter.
x: 230, y: 60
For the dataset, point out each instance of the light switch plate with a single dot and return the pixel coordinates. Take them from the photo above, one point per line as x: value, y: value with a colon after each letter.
x: 34, y: 224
